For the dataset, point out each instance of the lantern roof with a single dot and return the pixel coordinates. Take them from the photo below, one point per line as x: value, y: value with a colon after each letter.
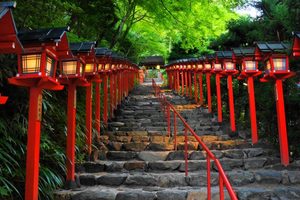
x: 297, y: 34
x: 243, y: 51
x: 276, y: 47
x: 6, y: 6
x: 42, y: 35
x: 102, y: 51
x: 152, y: 61
x: 224, y: 54
x: 82, y: 47
x: 9, y: 42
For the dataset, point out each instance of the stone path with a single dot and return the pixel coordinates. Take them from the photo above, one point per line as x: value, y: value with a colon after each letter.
x: 136, y: 161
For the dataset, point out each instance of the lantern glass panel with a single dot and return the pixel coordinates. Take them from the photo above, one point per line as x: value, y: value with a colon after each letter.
x: 218, y: 66
x: 250, y: 65
x: 177, y: 66
x: 207, y: 66
x: 31, y: 63
x: 229, y: 65
x: 50, y: 64
x: 268, y: 67
x: 107, y: 66
x: 189, y: 66
x: 279, y: 64
x: 69, y: 67
x: 199, y: 66
x: 81, y: 69
x: 89, y: 68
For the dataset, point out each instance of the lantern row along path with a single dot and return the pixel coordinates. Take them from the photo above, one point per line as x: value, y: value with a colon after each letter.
x: 136, y: 160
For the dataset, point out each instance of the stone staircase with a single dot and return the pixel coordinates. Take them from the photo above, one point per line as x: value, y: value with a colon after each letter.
x: 136, y: 158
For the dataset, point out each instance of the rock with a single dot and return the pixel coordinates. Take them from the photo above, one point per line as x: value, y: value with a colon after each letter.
x: 201, y: 179
x: 141, y: 180
x: 176, y: 155
x: 111, y: 179
x: 121, y: 155
x: 268, y: 176
x: 171, y: 180
x: 171, y: 195
x: 135, y: 165
x: 123, y: 139
x: 198, y: 155
x: 229, y: 164
x: 234, y: 153
x: 135, y: 195
x: 92, y: 167
x: 191, y: 146
x: 163, y: 165
x: 135, y: 146
x: 114, y: 166
x: 87, y: 179
x: 240, y: 178
x: 161, y: 146
x: 153, y: 156
x: 254, y: 163
x: 115, y: 146
x: 140, y: 138
x: 254, y: 152
x: 94, y: 195
x: 294, y: 177
x: 254, y: 194
x: 158, y: 139
x: 116, y: 124
x: 193, y: 165
x: 137, y: 133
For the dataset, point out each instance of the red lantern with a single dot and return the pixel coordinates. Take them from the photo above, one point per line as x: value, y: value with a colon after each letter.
x: 37, y: 70
x: 245, y: 56
x: 296, y: 44
x: 275, y: 57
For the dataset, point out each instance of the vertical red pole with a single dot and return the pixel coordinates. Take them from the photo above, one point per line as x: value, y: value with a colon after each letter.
x: 175, y: 132
x: 190, y: 84
x: 219, y: 98
x: 97, y: 109
x: 208, y: 92
x: 105, y: 99
x: 221, y: 187
x: 200, y: 89
x: 178, y: 81
x: 252, y: 110
x: 284, y: 147
x: 71, y: 128
x: 208, y: 177
x: 88, y: 118
x: 33, y: 144
x: 111, y: 96
x: 186, y: 83
x: 186, y: 151
x: 169, y: 120
x: 231, y: 103
x: 182, y: 83
x: 195, y: 87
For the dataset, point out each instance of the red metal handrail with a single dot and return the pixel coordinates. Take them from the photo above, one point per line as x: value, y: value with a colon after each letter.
x: 167, y: 107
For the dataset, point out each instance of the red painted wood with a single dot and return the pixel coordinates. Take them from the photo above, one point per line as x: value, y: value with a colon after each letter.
x: 190, y: 84
x: 195, y: 87
x: 88, y: 118
x: 71, y: 134
x: 186, y: 83
x: 33, y: 146
x: 105, y: 99
x: 231, y: 103
x: 219, y: 98
x: 97, y: 109
x: 208, y: 88
x: 200, y: 89
x: 284, y: 147
x: 252, y: 109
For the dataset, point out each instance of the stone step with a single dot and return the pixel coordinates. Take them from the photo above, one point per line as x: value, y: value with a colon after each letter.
x: 228, y: 164
x: 169, y: 180
x: 192, y: 155
x: 176, y: 193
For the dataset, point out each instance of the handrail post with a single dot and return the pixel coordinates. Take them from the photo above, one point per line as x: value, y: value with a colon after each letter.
x: 175, y: 132
x: 169, y: 120
x: 186, y: 150
x: 221, y: 187
x: 208, y: 177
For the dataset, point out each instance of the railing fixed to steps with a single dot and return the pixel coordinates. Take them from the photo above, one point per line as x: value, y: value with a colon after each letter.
x: 167, y: 108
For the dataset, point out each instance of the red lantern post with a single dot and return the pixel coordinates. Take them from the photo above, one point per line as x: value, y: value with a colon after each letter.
x: 207, y: 71
x: 229, y: 69
x: 72, y: 74
x: 218, y: 69
x: 199, y: 70
x: 276, y: 62
x: 86, y: 51
x: 9, y: 42
x: 37, y: 70
x: 245, y: 56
